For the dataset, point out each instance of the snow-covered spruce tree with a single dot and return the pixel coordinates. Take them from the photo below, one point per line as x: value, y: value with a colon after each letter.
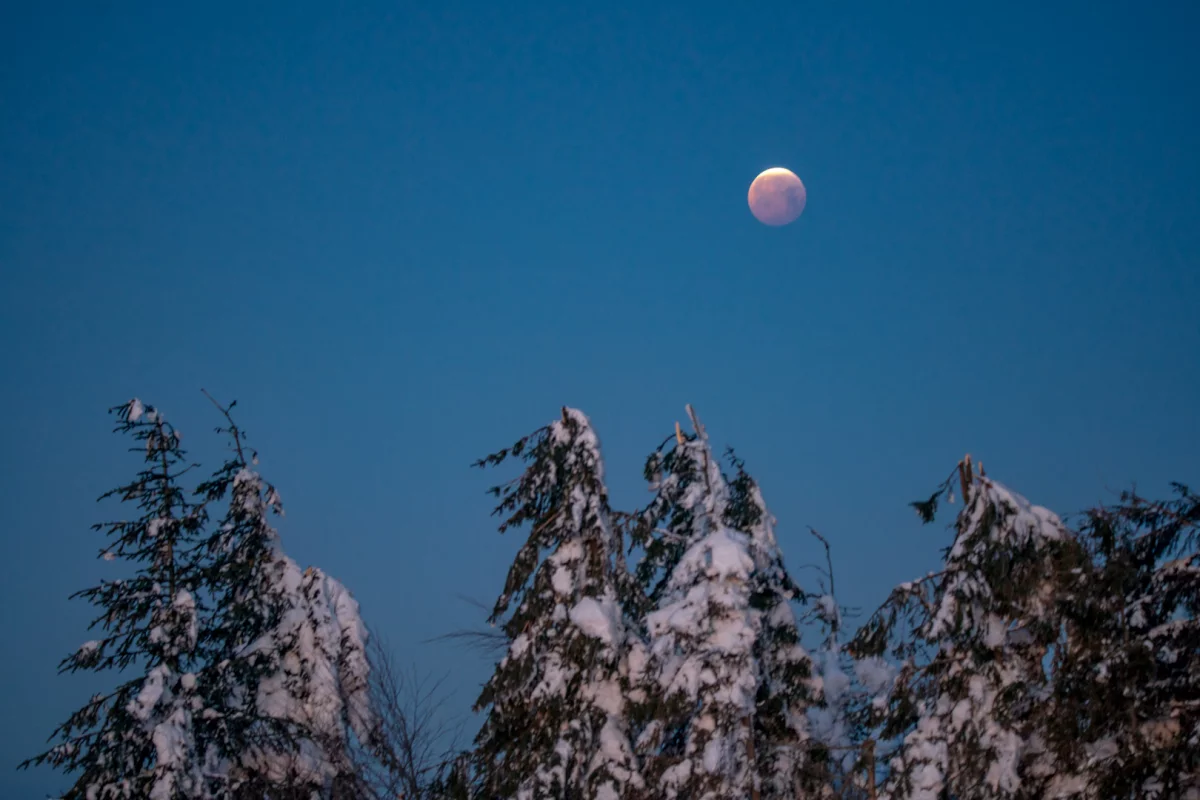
x: 1124, y: 719
x: 790, y: 758
x: 139, y: 741
x: 556, y: 721
x: 728, y: 681
x: 846, y: 756
x: 288, y: 647
x: 972, y: 641
x: 852, y: 690
x: 321, y: 686
x: 242, y: 571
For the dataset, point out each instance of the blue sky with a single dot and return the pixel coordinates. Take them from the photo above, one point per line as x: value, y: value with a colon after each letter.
x: 402, y: 237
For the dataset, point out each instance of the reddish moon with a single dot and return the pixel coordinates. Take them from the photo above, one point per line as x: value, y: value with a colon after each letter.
x: 777, y: 196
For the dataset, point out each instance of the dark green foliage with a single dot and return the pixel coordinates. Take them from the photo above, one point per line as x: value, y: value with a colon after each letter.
x: 1078, y: 651
x: 927, y: 509
x: 542, y: 730
x: 970, y: 642
x: 147, y: 622
x: 197, y: 627
x: 1097, y: 671
x: 1127, y: 676
x: 663, y: 528
x: 764, y: 744
x: 242, y: 573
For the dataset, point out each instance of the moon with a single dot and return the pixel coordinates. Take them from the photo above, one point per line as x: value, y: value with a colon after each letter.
x: 777, y: 196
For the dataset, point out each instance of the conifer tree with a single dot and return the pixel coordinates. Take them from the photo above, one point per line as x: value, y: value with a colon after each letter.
x: 556, y: 724
x: 244, y: 567
x: 321, y: 686
x: 789, y: 761
x: 139, y: 741
x: 988, y: 620
x: 728, y: 681
x: 1124, y: 718
x: 288, y: 647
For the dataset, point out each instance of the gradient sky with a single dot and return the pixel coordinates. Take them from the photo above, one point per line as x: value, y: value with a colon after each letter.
x: 402, y: 237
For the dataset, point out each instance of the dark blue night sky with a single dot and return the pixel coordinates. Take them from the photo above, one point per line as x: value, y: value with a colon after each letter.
x: 402, y: 236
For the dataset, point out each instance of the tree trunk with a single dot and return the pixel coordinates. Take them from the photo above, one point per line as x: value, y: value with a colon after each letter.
x: 869, y: 758
x: 752, y: 757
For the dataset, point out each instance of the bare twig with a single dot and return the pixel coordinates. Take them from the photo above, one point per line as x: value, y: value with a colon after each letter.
x: 828, y: 557
x: 416, y: 741
x: 490, y: 642
x: 234, y: 430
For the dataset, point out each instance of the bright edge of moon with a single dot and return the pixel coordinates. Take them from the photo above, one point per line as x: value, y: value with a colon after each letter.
x: 777, y: 196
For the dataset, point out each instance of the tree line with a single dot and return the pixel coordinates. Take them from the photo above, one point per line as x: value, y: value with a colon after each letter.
x: 665, y: 652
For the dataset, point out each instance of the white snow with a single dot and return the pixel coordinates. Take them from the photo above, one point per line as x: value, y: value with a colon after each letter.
x: 828, y: 609
x: 598, y: 617
x: 152, y: 690
x: 875, y: 674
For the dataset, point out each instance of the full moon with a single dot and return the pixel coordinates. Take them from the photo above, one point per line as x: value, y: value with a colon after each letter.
x: 777, y: 196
